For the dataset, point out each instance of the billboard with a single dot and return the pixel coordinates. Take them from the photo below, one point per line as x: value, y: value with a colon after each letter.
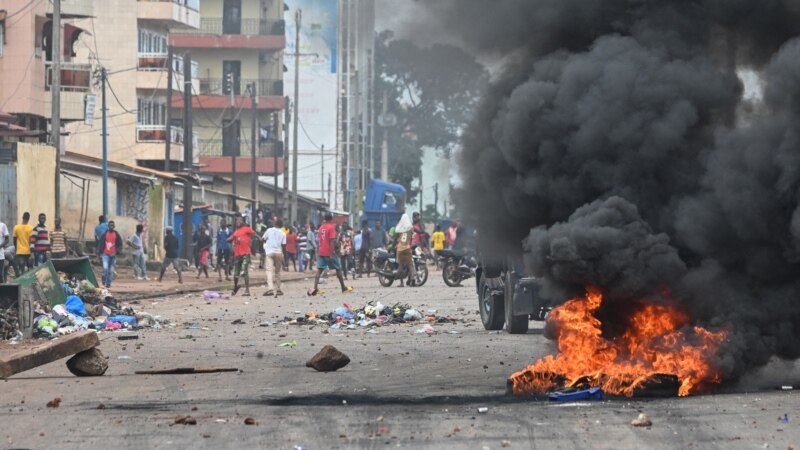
x: 317, y: 84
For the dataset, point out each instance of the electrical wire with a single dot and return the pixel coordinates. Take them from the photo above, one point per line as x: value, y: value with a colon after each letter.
x: 22, y: 10
x: 22, y: 80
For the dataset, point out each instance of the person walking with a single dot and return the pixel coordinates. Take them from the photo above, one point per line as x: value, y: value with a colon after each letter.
x: 363, y: 252
x: 241, y: 255
x: 291, y: 249
x: 40, y: 241
x: 170, y: 254
x: 274, y: 247
x: 302, y: 249
x: 403, y: 235
x: 311, y: 236
x: 327, y: 258
x: 223, y: 252
x: 137, y: 244
x: 204, y: 243
x: 5, y: 239
x: 58, y: 241
x: 111, y: 247
x: 100, y: 230
x: 22, y: 242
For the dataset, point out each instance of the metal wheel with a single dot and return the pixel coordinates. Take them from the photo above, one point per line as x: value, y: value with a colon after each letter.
x: 450, y: 273
x: 382, y: 279
x: 422, y: 273
x: 491, y: 307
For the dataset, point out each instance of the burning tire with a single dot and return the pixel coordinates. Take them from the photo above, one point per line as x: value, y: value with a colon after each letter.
x: 490, y: 303
x: 514, y: 324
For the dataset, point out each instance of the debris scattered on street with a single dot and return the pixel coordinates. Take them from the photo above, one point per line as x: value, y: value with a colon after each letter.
x: 786, y: 388
x: 214, y: 294
x: 784, y: 419
x: 291, y: 344
x: 249, y: 421
x: 329, y: 359
x: 373, y: 314
x: 483, y: 410
x: 88, y: 363
x: 505, y: 443
x: 571, y: 395
x: 184, y: 371
x: 642, y: 421
x: 48, y: 352
x: 185, y: 420
x: 128, y: 337
x: 54, y: 403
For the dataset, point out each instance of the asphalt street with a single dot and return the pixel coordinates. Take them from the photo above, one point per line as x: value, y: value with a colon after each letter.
x: 403, y: 388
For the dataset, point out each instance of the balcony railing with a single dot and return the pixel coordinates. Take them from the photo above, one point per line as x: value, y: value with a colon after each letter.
x: 158, y: 61
x: 191, y: 4
x: 158, y: 133
x: 248, y: 27
x: 216, y: 147
x: 218, y: 86
x: 74, y: 77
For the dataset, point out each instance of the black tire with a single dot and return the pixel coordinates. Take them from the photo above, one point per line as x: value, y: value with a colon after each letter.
x: 450, y: 273
x: 491, y: 307
x: 422, y: 267
x: 514, y: 324
x: 382, y: 279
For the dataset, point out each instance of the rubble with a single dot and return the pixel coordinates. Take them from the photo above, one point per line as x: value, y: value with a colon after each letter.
x: 48, y: 352
x: 373, y: 314
x: 88, y: 363
x: 642, y: 421
x: 329, y: 359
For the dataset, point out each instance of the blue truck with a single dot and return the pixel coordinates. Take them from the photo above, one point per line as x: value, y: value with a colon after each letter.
x: 384, y: 202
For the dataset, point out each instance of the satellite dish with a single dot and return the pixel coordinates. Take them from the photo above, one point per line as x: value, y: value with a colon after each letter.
x: 387, y: 120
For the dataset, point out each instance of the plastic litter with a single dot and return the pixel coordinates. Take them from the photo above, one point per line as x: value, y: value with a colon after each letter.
x: 74, y: 305
x: 784, y: 419
x: 412, y: 314
x: 483, y: 410
x: 291, y: 344
x: 214, y: 294
x: 594, y: 393
x: 427, y: 329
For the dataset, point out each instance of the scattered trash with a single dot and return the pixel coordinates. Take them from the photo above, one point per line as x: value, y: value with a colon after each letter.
x: 128, y: 337
x: 427, y: 329
x: 264, y: 324
x: 292, y: 344
x: 412, y: 314
x: 483, y: 410
x: 642, y: 421
x: 213, y: 294
x: 238, y: 322
x: 101, y: 406
x: 185, y: 420
x: 123, y: 357
x: 505, y: 443
x: 373, y: 314
x: 249, y: 421
x: 329, y: 359
x: 54, y: 403
x: 372, y: 331
x: 786, y: 388
x: 183, y: 371
x: 784, y: 419
x: 572, y: 395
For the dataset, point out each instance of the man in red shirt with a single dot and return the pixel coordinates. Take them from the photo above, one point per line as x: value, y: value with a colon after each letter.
x: 241, y: 255
x: 110, y: 248
x: 328, y: 259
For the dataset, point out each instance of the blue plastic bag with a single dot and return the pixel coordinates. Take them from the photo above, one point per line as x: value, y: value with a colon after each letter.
x: 74, y: 305
x: 130, y: 320
x: 343, y: 312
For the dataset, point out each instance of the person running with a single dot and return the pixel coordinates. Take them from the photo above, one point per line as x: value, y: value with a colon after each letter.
x: 291, y: 249
x: 241, y: 255
x: 302, y: 249
x: 22, y: 242
x: 111, y: 243
x: 137, y: 244
x: 5, y: 239
x: 204, y: 243
x: 363, y: 252
x: 40, y: 241
x: 223, y: 252
x: 403, y: 234
x: 274, y: 246
x: 438, y: 239
x: 170, y: 255
x: 327, y: 257
x: 58, y: 241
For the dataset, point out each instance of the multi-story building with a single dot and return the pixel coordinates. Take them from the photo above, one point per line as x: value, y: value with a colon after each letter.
x: 238, y: 47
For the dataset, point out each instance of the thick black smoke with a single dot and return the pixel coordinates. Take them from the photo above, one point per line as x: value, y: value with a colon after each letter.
x: 615, y: 151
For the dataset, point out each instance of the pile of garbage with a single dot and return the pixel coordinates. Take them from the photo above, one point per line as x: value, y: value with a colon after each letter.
x: 87, y: 307
x: 372, y: 314
x: 9, y: 323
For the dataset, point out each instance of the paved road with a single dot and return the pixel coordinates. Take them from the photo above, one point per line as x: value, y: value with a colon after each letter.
x: 402, y: 388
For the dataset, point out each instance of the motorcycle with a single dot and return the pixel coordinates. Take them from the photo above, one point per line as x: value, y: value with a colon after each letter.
x: 458, y: 266
x: 386, y: 266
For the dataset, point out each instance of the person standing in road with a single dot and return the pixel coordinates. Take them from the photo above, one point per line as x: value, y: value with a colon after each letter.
x: 438, y: 239
x: 58, y: 241
x: 241, y: 255
x: 379, y: 237
x: 291, y: 249
x: 363, y: 252
x: 4, y: 241
x: 40, y: 241
x: 327, y: 258
x: 22, y: 242
x: 170, y: 255
x: 100, y: 231
x: 204, y: 243
x: 135, y: 242
x: 223, y: 252
x: 403, y: 235
x: 274, y: 247
x: 312, y: 245
x: 302, y: 249
x: 346, y: 251
x: 111, y: 243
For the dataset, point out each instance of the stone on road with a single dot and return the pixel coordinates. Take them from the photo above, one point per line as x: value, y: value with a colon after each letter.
x: 329, y: 359
x: 88, y: 363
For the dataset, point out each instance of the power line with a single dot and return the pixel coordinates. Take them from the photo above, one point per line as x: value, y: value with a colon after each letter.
x: 21, y: 10
x: 23, y: 78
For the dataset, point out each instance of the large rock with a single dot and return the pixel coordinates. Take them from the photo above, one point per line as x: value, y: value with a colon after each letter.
x: 328, y: 359
x: 54, y: 350
x: 89, y: 363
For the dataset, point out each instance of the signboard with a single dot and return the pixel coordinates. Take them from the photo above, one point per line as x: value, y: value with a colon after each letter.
x: 88, y: 114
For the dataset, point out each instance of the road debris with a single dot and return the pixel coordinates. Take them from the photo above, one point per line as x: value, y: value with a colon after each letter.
x: 483, y: 410
x: 54, y: 403
x: 642, y: 421
x: 48, y: 352
x: 291, y: 344
x: 505, y: 443
x: 249, y: 421
x: 329, y: 359
x: 373, y: 314
x: 183, y: 371
x: 88, y: 363
x: 784, y: 420
x: 185, y: 420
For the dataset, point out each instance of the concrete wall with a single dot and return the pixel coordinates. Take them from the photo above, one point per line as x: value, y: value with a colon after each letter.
x: 36, y: 193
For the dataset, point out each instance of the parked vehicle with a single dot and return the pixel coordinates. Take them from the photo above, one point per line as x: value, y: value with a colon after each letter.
x: 386, y: 267
x: 507, y: 297
x: 384, y: 202
x: 457, y: 266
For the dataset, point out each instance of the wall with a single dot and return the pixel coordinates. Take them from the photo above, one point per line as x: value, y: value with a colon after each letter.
x: 36, y: 192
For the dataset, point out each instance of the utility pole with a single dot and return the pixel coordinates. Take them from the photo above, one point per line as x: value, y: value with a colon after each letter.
x: 298, y: 16
x: 436, y: 202
x: 187, y: 153
x: 55, y: 90
x: 285, y: 196
x: 329, y: 190
x: 385, y: 144
x: 236, y: 148
x: 103, y: 75
x: 322, y: 174
x: 286, y: 118
x: 421, y: 192
x: 168, y: 118
x: 253, y: 175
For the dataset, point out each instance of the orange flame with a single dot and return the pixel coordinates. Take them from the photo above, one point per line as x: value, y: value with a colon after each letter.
x: 657, y: 340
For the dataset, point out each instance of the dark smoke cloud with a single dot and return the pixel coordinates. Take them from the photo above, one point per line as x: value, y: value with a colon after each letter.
x: 613, y: 152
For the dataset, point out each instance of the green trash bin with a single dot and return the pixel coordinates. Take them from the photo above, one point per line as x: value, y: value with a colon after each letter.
x: 47, y: 278
x: 73, y: 266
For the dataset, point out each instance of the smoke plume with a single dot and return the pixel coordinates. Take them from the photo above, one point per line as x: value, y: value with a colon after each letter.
x: 615, y: 150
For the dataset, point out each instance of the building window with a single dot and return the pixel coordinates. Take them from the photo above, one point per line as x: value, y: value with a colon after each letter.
x: 2, y: 35
x: 152, y: 42
x: 151, y: 110
x: 132, y: 199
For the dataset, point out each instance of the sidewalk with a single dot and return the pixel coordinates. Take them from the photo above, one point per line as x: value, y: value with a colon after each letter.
x: 126, y: 287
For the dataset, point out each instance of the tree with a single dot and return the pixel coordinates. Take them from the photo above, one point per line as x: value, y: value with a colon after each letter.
x: 433, y: 91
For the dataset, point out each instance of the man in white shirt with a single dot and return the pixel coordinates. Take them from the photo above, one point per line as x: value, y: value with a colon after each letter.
x: 4, y: 241
x: 274, y: 248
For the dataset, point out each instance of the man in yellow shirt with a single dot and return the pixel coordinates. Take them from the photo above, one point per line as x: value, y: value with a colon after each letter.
x: 22, y: 242
x: 438, y: 239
